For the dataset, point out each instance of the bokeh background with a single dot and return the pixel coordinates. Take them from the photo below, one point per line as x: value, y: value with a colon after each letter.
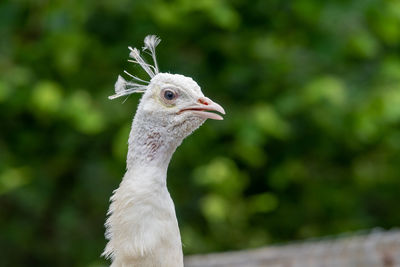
x: 310, y: 145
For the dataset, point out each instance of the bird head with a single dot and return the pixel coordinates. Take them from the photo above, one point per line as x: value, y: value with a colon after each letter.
x: 172, y: 101
x: 177, y: 101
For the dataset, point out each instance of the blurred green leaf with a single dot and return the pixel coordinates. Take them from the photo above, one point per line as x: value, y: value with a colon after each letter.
x: 215, y: 208
x: 47, y: 97
x: 120, y: 143
x: 363, y: 45
x: 11, y: 179
x: 83, y: 114
x: 265, y: 202
x: 222, y: 175
x: 5, y: 91
x: 326, y: 88
x: 269, y: 121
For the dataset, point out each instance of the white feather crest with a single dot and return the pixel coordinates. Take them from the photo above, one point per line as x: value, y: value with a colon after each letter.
x: 137, y: 85
x: 123, y: 87
x: 150, y: 44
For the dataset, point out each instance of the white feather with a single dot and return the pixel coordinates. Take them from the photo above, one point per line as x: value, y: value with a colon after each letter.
x: 123, y: 87
x: 150, y: 44
x: 135, y: 54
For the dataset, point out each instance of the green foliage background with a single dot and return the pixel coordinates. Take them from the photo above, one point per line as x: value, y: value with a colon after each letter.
x: 310, y: 145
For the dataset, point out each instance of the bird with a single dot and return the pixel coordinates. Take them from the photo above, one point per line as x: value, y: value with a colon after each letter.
x: 142, y: 227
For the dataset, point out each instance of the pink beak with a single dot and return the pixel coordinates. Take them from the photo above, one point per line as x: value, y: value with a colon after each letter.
x: 203, y: 107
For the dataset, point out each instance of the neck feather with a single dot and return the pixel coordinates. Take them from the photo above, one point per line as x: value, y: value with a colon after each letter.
x: 150, y: 147
x: 142, y: 228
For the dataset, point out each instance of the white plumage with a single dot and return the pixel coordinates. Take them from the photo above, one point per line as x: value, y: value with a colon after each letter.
x: 142, y: 228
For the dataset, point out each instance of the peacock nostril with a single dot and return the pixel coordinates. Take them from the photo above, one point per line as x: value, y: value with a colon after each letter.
x: 203, y: 101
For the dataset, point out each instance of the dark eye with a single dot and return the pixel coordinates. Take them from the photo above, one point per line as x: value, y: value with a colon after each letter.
x: 169, y: 95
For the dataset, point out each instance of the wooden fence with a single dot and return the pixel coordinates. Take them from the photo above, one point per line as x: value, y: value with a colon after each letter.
x: 372, y: 249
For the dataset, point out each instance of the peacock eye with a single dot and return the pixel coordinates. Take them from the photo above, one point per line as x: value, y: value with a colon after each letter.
x: 169, y: 95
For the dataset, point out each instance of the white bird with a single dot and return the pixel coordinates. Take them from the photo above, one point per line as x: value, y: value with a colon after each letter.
x: 142, y: 228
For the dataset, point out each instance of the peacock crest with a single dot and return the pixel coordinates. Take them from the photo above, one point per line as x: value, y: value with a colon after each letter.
x: 137, y: 85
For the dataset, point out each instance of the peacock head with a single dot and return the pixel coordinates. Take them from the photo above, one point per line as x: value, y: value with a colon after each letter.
x: 170, y: 100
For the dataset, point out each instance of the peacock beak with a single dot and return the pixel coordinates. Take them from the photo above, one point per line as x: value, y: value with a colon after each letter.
x: 204, y: 107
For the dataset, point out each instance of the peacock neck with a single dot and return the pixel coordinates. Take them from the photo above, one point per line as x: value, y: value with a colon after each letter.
x: 150, y: 149
x: 142, y: 227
